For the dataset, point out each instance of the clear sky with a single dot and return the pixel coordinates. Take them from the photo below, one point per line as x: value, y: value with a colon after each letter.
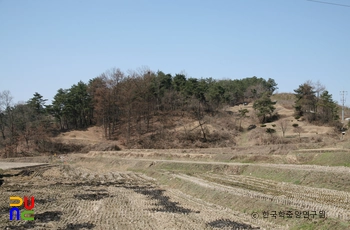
x: 47, y: 45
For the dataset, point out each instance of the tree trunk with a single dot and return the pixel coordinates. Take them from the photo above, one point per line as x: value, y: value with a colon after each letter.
x: 203, y: 132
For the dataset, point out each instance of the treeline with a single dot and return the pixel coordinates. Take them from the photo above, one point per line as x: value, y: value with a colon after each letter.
x: 72, y: 108
x: 134, y: 99
x: 27, y: 123
x: 140, y: 104
x: 126, y: 105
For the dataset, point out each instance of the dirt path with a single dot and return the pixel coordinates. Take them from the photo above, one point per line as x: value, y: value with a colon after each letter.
x: 12, y: 165
x: 336, y: 169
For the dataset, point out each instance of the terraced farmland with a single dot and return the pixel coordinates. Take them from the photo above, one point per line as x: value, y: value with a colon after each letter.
x: 94, y: 191
x: 70, y: 199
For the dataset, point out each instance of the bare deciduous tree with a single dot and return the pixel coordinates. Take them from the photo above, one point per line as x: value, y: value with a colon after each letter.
x: 318, y: 87
x: 298, y: 130
x: 5, y: 99
x: 242, y: 115
x: 5, y: 104
x: 283, y: 125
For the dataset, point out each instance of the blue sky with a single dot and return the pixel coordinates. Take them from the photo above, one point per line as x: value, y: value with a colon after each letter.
x: 47, y: 45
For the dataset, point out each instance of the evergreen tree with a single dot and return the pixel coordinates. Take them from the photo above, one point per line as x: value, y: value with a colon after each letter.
x: 37, y: 103
x: 327, y: 108
x: 306, y: 101
x: 264, y: 107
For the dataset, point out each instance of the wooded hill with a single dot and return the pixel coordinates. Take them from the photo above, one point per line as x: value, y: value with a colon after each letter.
x: 141, y: 108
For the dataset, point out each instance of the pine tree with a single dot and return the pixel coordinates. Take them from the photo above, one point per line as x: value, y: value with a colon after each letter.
x: 264, y: 107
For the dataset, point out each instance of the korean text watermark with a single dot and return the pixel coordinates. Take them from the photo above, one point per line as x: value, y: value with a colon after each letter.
x: 289, y: 214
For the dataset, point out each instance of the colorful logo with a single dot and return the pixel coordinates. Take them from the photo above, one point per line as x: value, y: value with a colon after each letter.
x: 27, y: 214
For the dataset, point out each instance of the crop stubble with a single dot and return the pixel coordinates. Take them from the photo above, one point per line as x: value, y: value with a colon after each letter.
x: 77, y: 198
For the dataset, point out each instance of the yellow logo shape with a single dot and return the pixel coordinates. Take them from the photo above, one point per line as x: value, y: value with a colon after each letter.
x: 16, y: 198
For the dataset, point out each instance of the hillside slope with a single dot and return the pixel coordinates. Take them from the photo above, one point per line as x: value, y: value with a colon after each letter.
x: 221, y: 130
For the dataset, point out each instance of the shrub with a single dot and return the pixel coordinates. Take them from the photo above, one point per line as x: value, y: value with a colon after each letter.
x: 295, y: 125
x: 273, y: 125
x: 273, y: 117
x: 317, y: 139
x: 262, y: 125
x: 270, y: 131
x: 250, y: 127
x: 337, y: 125
x: 297, y: 117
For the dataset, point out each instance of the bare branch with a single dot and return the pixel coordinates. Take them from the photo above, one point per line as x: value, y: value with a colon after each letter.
x: 283, y: 125
x: 5, y: 100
